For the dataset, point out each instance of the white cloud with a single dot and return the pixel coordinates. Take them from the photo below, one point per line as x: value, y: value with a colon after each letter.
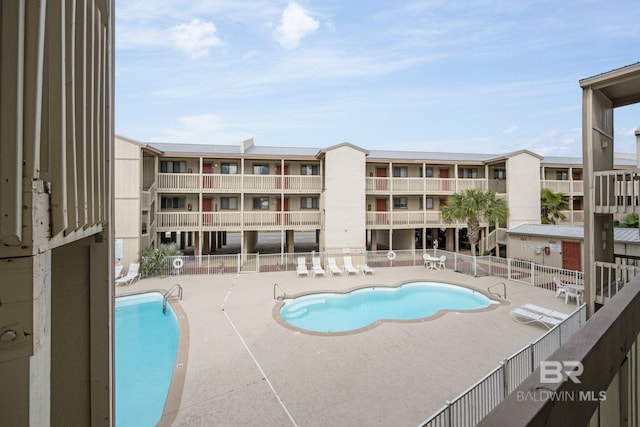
x: 295, y: 24
x: 202, y: 129
x: 195, y: 38
x: 511, y: 129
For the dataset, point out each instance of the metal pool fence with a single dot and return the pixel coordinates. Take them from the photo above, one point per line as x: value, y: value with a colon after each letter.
x: 478, y: 400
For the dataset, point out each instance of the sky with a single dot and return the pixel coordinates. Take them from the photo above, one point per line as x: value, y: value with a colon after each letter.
x: 467, y: 76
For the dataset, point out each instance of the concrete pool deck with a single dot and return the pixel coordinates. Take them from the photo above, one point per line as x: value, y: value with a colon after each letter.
x: 396, y: 374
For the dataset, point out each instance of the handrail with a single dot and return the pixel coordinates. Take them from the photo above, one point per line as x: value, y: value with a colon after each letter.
x: 504, y: 289
x: 168, y: 295
x: 284, y: 294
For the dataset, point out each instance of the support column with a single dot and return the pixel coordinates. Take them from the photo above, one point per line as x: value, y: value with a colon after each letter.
x: 197, y: 250
x: 374, y: 240
x: 450, y: 240
x: 290, y: 241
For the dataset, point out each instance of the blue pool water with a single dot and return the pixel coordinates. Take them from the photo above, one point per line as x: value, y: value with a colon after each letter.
x: 333, y: 312
x: 146, y: 344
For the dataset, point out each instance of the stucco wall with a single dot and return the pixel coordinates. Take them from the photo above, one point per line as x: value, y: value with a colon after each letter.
x: 523, y: 187
x: 344, y: 198
x: 127, y: 197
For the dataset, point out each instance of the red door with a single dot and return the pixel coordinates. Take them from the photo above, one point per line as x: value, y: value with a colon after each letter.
x: 206, y: 180
x: 381, y: 184
x: 571, y: 256
x: 285, y: 208
x: 444, y: 173
x: 381, y: 206
x: 206, y: 207
x: 286, y: 180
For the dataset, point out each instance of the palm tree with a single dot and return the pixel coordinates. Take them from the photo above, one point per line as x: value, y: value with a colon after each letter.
x: 472, y: 205
x: 551, y: 206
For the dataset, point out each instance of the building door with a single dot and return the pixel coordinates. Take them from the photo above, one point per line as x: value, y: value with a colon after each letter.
x: 381, y: 184
x: 283, y: 207
x: 381, y: 206
x: 286, y: 180
x: 207, y: 218
x: 571, y: 256
x: 445, y: 184
x: 207, y: 168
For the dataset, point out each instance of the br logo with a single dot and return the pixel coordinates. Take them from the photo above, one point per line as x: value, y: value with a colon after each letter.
x: 553, y: 372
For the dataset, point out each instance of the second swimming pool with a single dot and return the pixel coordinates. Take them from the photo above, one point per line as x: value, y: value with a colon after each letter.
x: 342, y: 312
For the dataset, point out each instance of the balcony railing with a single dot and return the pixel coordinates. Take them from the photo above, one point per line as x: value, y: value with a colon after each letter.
x: 610, y: 278
x: 617, y: 191
x: 227, y: 183
x: 236, y: 220
x: 573, y: 217
x: 400, y: 218
x: 567, y: 187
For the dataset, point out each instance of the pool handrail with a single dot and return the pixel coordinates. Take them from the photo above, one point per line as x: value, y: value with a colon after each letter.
x: 284, y: 294
x: 168, y: 295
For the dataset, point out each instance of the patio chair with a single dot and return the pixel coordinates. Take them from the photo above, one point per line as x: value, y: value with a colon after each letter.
x: 348, y: 266
x: 118, y: 271
x: 545, y: 311
x: 316, y: 266
x: 560, y: 287
x: 333, y: 267
x: 133, y: 274
x: 573, y: 291
x: 441, y: 263
x: 524, y: 316
x: 301, y: 269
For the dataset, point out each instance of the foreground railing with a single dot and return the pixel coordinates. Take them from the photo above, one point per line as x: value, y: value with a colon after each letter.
x: 610, y: 278
x: 480, y: 399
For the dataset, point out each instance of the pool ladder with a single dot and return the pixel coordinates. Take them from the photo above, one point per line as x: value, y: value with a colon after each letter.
x: 170, y: 294
x: 284, y: 294
x: 504, y: 290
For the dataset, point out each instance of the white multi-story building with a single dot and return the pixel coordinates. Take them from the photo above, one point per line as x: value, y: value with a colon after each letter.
x: 351, y: 198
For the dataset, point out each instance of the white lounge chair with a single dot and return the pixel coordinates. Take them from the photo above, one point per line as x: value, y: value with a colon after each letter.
x: 118, y: 271
x: 545, y: 311
x: 366, y: 269
x: 301, y: 269
x: 316, y: 266
x: 524, y: 316
x: 133, y: 274
x: 348, y: 266
x: 333, y: 267
x: 560, y: 287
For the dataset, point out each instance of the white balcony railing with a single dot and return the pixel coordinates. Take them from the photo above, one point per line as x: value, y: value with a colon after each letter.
x: 472, y: 183
x: 570, y: 188
x: 236, y: 220
x: 400, y: 218
x: 178, y: 182
x: 573, y: 217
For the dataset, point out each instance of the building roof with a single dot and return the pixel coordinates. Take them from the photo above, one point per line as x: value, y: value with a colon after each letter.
x: 620, y: 235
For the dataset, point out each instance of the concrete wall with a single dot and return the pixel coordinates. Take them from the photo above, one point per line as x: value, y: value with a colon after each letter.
x: 344, y: 198
x: 523, y: 188
x: 404, y: 239
x: 531, y: 248
x: 127, y: 197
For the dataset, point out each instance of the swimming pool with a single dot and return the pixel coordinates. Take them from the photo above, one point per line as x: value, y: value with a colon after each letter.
x: 146, y: 345
x: 342, y: 312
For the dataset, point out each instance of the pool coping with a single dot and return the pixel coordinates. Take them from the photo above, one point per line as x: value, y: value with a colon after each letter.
x: 280, y: 302
x: 176, y: 387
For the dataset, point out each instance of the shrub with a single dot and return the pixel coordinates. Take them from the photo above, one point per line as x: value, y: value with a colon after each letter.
x: 152, y: 259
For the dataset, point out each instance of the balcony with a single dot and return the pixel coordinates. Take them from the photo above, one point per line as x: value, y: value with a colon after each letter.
x: 423, y: 185
x: 570, y: 188
x: 237, y: 221
x: 226, y: 183
x: 406, y: 219
x: 616, y: 191
x: 573, y: 218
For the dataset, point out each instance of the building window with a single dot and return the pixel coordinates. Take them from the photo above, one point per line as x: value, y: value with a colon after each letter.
x: 499, y: 174
x: 229, y: 203
x: 429, y: 172
x: 261, y: 169
x: 400, y: 203
x: 230, y: 168
x: 172, y: 202
x: 468, y: 173
x: 261, y: 203
x: 173, y: 167
x: 308, y: 203
x: 429, y: 203
x: 309, y: 170
x: 562, y: 175
x: 400, y: 172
